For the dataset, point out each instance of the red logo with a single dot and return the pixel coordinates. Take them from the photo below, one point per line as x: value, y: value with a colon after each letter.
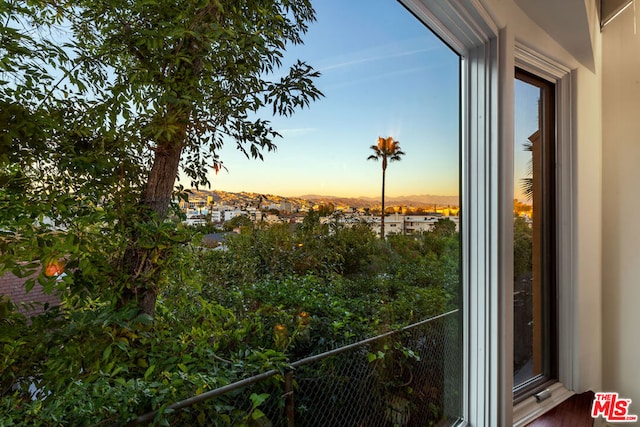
x: 612, y: 408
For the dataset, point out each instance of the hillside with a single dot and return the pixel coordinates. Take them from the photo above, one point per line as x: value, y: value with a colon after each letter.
x: 423, y: 200
x: 309, y: 200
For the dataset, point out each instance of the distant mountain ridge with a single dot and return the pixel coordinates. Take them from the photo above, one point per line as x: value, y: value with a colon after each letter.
x: 246, y: 199
x: 416, y: 200
x: 249, y: 199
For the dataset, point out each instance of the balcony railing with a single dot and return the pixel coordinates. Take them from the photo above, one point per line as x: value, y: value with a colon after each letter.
x: 406, y: 377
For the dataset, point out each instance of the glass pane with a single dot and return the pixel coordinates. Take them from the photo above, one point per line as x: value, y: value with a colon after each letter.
x: 360, y: 243
x: 527, y: 297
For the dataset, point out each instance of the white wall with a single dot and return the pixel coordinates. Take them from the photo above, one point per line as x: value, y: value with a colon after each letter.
x: 588, y: 222
x: 621, y: 203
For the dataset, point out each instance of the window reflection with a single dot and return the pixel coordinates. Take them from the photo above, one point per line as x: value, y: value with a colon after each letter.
x: 534, y: 233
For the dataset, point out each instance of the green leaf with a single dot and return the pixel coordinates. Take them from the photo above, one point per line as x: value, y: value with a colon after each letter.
x: 258, y: 399
x: 28, y: 285
x: 201, y: 418
x: 149, y: 371
x: 106, y: 353
x: 257, y: 413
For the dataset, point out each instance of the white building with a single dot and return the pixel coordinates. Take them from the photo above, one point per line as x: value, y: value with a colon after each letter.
x: 217, y: 215
x: 408, y: 224
x: 230, y: 214
x: 195, y: 217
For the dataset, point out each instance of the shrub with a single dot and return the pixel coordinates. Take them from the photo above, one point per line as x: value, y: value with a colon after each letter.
x: 277, y: 294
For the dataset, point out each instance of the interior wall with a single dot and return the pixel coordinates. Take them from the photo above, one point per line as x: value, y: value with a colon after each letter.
x: 587, y: 374
x: 621, y: 228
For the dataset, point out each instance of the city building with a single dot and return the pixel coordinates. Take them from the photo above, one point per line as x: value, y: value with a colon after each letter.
x: 397, y: 223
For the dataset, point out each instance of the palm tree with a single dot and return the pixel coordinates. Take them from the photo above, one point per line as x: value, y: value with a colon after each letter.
x: 389, y: 151
x: 526, y: 183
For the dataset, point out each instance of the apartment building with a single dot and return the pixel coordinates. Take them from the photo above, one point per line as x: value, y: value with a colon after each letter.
x: 398, y: 223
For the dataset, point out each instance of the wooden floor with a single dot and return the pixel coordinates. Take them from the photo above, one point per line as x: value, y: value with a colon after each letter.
x: 573, y: 412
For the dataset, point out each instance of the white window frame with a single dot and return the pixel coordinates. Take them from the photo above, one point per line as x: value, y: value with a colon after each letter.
x: 489, y: 57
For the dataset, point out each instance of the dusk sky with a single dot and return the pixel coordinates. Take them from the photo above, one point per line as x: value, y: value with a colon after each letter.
x: 525, y: 124
x: 383, y: 74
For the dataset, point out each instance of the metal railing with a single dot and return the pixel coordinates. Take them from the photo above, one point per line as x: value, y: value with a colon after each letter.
x: 407, y: 377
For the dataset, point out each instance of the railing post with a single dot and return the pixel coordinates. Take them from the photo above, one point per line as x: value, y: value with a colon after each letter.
x: 288, y: 392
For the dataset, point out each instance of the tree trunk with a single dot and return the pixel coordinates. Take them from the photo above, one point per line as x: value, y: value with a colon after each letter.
x: 382, y: 214
x: 143, y: 272
x: 157, y: 193
x: 143, y: 286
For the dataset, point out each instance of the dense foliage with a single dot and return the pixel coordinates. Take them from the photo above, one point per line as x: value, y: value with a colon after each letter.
x: 277, y: 294
x: 103, y: 104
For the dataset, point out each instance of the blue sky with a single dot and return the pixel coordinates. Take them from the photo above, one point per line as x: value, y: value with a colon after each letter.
x: 383, y: 74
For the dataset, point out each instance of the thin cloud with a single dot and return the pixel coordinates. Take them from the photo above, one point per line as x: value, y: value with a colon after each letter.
x: 297, y: 131
x: 358, y: 61
x: 373, y: 77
